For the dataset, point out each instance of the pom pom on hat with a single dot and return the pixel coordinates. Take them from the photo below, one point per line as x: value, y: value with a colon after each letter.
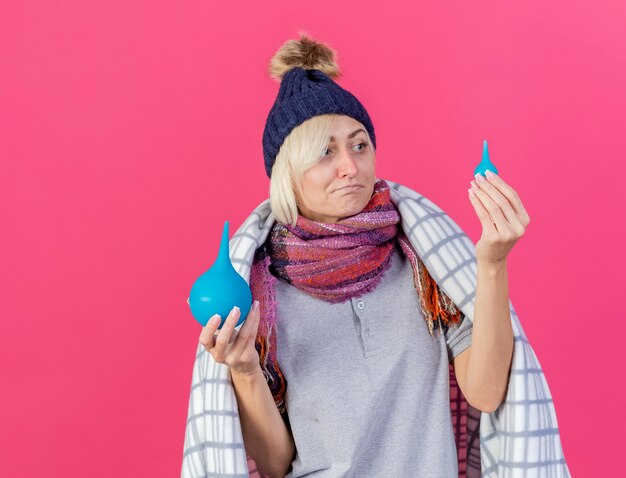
x: 304, y: 53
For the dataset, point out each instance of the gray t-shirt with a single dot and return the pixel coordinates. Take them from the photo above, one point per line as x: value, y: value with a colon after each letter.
x: 367, y: 385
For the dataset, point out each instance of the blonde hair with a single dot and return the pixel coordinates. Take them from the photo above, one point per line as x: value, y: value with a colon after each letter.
x: 301, y: 150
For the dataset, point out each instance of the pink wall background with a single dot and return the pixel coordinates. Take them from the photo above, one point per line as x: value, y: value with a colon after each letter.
x: 129, y: 131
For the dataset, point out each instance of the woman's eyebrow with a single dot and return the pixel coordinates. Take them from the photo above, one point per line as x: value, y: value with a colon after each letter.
x: 354, y: 133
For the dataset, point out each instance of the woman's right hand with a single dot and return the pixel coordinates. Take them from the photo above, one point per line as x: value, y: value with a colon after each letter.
x: 235, y: 349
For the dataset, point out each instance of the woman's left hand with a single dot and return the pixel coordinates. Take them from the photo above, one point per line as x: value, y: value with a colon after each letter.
x: 502, y: 216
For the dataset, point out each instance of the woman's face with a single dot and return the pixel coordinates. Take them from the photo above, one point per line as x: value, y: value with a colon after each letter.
x: 342, y: 182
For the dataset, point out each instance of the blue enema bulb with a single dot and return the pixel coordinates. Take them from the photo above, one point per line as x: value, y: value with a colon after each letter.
x: 220, y: 288
x: 485, y: 164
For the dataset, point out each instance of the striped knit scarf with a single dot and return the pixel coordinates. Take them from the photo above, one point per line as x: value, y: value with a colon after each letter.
x: 336, y: 262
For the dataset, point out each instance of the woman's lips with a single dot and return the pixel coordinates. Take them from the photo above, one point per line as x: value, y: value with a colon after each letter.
x: 351, y: 188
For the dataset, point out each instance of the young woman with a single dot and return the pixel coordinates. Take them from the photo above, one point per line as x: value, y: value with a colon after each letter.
x: 345, y: 363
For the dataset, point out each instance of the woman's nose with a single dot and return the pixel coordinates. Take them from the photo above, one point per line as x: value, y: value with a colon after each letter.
x: 347, y: 165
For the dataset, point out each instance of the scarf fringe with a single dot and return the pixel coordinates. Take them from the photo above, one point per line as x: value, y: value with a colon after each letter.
x: 439, y: 310
x: 262, y: 284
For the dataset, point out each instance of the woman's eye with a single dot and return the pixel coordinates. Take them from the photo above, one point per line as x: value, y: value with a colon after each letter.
x: 363, y: 146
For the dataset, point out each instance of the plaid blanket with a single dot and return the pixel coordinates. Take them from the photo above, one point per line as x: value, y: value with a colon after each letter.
x: 519, y: 439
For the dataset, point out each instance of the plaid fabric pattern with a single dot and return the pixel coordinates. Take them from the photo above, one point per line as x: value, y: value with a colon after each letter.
x: 518, y: 440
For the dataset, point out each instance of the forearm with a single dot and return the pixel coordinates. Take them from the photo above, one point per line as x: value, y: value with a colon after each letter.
x: 492, y: 338
x: 266, y: 437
